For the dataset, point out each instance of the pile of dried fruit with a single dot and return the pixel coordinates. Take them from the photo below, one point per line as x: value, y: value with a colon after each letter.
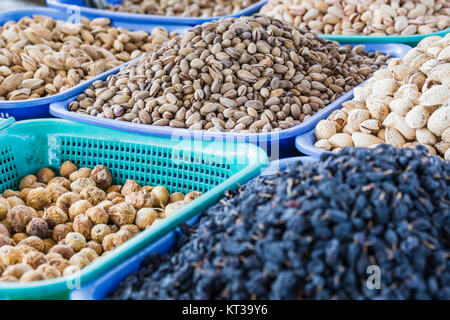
x: 183, y: 8
x: 41, y: 56
x: 363, y: 17
x: 55, y: 226
x: 313, y: 231
x: 248, y: 74
x: 404, y: 105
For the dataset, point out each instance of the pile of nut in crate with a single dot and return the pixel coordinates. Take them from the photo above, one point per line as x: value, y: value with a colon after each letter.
x: 376, y: 193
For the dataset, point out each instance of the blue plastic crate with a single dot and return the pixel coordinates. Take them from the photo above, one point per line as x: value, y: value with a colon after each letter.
x: 110, y: 281
x: 144, y: 21
x: 278, y: 145
x: 39, y: 108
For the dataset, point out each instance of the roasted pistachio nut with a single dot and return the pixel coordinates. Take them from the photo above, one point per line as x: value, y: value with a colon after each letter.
x: 395, y: 108
x: 184, y: 8
x: 248, y: 74
x: 365, y: 17
x: 41, y: 57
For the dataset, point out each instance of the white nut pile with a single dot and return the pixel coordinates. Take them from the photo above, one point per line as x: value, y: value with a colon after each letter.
x: 363, y: 17
x: 41, y: 56
x: 404, y: 105
x: 184, y: 8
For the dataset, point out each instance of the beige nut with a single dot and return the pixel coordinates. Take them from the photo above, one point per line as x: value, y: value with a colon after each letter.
x: 325, y: 129
x: 439, y: 121
x: 364, y: 139
x: 323, y: 144
x: 436, y: 95
x: 356, y: 117
x: 340, y: 140
x: 403, y: 128
x: 401, y: 106
x: 393, y: 137
x: 370, y: 126
x: 417, y: 117
x: 425, y: 136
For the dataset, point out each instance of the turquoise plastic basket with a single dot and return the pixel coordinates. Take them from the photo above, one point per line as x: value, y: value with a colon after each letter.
x: 412, y: 40
x: 179, y: 165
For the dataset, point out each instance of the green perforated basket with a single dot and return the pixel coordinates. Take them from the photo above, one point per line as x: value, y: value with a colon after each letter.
x: 210, y: 167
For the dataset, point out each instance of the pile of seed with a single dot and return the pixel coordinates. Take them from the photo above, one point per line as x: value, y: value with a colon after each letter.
x: 184, y: 8
x: 248, y: 74
x: 404, y: 105
x: 55, y: 226
x: 363, y: 17
x: 313, y: 231
x: 40, y: 56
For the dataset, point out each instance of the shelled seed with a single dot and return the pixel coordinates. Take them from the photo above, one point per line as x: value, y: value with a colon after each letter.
x: 248, y: 74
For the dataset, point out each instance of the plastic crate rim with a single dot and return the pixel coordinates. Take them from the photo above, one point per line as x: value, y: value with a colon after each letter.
x: 142, y: 18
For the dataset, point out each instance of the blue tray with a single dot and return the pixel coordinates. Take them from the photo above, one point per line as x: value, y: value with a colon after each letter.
x: 305, y: 143
x: 110, y: 281
x: 144, y: 21
x: 39, y: 108
x: 283, y: 147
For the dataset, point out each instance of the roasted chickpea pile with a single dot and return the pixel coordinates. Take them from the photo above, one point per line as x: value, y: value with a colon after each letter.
x: 56, y: 225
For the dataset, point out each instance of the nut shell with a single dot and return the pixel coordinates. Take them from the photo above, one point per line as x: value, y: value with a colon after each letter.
x: 34, y: 242
x: 27, y: 181
x: 39, y: 198
x: 160, y: 196
x: 130, y: 186
x: 45, y: 175
x: 325, y: 129
x: 32, y: 275
x: 49, y: 271
x: 64, y: 250
x: 81, y: 183
x: 80, y: 173
x: 60, y: 232
x: 75, y: 240
x: 172, y: 207
x: 97, y: 215
x: 34, y: 259
x: 83, y: 225
x: 19, y: 217
x: 67, y: 168
x: 38, y: 227
x: 93, y: 194
x: 67, y: 200
x: 102, y: 177
x: 79, y: 207
x: 145, y: 217
x: 54, y: 215
x: 122, y: 213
